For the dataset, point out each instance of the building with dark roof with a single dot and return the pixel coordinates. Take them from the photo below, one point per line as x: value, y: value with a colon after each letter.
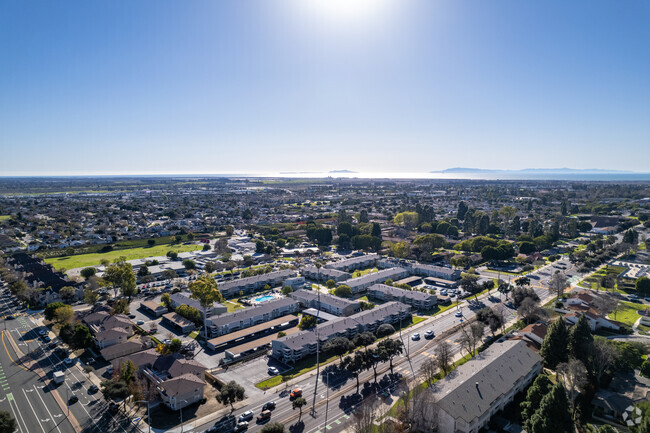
x: 292, y: 348
x: 326, y: 302
x: 361, y: 283
x: 360, y: 262
x: 414, y: 298
x: 467, y: 400
x: 250, y: 284
x: 240, y: 319
x: 324, y: 274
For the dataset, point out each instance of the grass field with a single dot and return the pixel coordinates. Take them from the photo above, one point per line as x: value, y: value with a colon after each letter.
x: 627, y: 312
x: 593, y: 281
x: 364, y: 272
x: 232, y: 305
x: 92, y: 259
x: 4, y: 217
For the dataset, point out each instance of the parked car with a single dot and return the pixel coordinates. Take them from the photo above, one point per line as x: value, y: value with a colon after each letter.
x: 264, y: 416
x: 246, y: 416
x: 68, y: 361
x: 295, y: 393
x: 273, y: 371
x: 269, y: 405
x: 140, y: 322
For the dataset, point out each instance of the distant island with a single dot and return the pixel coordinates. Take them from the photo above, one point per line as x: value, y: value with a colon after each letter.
x: 341, y: 171
x: 532, y: 170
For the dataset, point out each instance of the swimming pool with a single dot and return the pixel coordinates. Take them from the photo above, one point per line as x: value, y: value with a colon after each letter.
x: 264, y: 298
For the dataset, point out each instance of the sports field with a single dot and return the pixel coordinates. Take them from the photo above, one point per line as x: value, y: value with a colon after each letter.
x: 92, y: 259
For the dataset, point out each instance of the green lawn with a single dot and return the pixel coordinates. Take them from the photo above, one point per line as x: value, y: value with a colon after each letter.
x: 627, y: 313
x: 92, y: 259
x: 364, y: 272
x: 4, y: 217
x: 439, y: 309
x: 232, y: 305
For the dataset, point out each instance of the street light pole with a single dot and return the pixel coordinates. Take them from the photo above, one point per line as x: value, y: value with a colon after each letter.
x: 327, y: 401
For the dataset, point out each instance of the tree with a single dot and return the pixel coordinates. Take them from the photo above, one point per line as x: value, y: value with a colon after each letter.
x: 175, y: 345
x: 385, y: 330
x: 471, y: 337
x: 364, y: 416
x: 574, y: 378
x: 642, y: 286
x: 90, y: 297
x: 343, y: 291
x: 121, y: 306
x: 558, y: 283
x: 408, y: 220
x: 504, y: 288
x: 205, y: 290
x: 355, y: 365
x: 462, y: 210
x: 425, y: 245
x: 169, y: 274
x: 489, y: 318
x: 338, y: 346
x: 231, y: 393
x: 166, y: 300
x: 48, y: 313
x: 88, y: 272
x: 67, y: 293
x: 364, y: 339
x: 330, y: 284
x: 307, y: 322
x: 469, y: 283
x: 606, y: 428
x: 580, y: 340
x: 521, y: 293
x: 82, y: 337
x: 189, y: 264
x: 604, y: 356
x: 443, y: 357
x: 120, y: 274
x: 401, y: 250
x: 63, y: 314
x: 552, y: 414
x: 554, y: 347
x: 530, y: 311
x: 7, y: 423
x: 540, y: 387
x: 390, y: 348
x: 173, y: 255
x: 428, y: 370
x: 298, y: 403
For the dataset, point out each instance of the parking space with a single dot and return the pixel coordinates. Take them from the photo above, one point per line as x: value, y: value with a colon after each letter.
x: 249, y: 373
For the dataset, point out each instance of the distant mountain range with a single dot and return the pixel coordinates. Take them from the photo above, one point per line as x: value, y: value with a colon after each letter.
x: 532, y: 171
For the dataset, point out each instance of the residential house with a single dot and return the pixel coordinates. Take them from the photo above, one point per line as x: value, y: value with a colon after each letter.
x: 153, y: 308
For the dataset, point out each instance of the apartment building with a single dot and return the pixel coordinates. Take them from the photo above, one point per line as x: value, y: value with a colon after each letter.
x: 252, y: 316
x: 416, y: 299
x: 250, y: 284
x: 183, y: 298
x: 328, y: 303
x: 361, y: 262
x: 292, y: 348
x: 324, y: 274
x: 484, y: 386
x: 360, y: 284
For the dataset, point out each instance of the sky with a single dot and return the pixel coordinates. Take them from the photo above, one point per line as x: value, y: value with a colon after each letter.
x: 263, y: 86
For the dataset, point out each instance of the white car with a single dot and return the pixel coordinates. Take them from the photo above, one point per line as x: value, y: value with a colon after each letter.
x: 273, y: 371
x: 68, y: 361
x: 415, y: 337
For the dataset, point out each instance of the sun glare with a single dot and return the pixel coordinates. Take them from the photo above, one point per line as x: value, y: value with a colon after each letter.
x: 346, y: 11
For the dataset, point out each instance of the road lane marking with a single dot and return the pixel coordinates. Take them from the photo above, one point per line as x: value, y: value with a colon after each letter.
x: 48, y: 410
x: 32, y: 408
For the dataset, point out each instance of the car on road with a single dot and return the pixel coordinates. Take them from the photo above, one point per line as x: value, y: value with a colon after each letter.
x: 47, y: 339
x: 265, y: 415
x: 73, y: 399
x: 131, y: 316
x: 459, y: 314
x: 273, y: 371
x: 241, y: 426
x: 167, y: 341
x: 295, y: 393
x: 429, y: 334
x: 42, y: 332
x: 415, y: 337
x: 269, y: 405
x: 140, y: 322
x: 246, y: 416
x: 10, y: 317
x: 93, y: 389
x: 68, y: 361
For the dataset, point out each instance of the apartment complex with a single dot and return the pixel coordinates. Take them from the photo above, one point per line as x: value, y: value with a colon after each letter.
x: 360, y: 284
x: 324, y: 274
x: 292, y: 348
x: 353, y: 263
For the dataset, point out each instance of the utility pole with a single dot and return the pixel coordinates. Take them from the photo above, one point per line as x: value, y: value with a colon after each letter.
x: 313, y: 404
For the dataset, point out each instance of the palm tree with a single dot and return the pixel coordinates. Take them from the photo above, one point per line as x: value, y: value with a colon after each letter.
x: 299, y: 403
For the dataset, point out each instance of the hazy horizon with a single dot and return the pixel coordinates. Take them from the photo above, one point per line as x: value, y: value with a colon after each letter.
x: 374, y: 86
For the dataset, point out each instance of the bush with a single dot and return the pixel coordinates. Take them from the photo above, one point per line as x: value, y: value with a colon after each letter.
x: 645, y: 368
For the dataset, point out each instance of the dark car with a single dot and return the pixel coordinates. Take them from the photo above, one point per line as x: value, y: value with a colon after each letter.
x: 93, y: 389
x: 10, y: 317
x: 113, y: 408
x: 73, y: 399
x: 270, y: 405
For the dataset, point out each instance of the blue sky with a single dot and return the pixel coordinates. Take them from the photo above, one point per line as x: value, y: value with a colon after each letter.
x: 136, y: 86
